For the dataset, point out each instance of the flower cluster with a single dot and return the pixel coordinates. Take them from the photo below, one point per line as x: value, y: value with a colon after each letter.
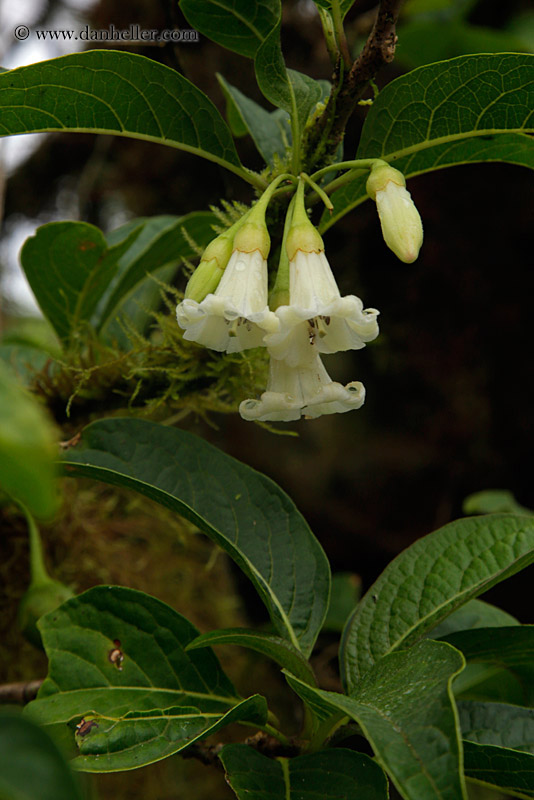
x: 226, y: 307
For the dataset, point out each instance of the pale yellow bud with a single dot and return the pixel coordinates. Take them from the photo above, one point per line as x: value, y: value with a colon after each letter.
x: 402, y: 228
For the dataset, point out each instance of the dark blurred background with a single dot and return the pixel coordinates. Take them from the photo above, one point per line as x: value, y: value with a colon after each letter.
x: 449, y: 380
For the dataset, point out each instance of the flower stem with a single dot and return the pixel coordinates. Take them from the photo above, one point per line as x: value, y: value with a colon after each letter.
x: 324, y: 197
x: 358, y: 163
x: 280, y: 291
x: 257, y: 212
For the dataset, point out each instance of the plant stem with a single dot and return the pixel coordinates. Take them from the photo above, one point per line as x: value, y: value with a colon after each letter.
x: 38, y: 572
x: 341, y: 39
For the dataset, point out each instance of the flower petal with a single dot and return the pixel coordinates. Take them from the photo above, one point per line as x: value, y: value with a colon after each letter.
x: 305, y: 390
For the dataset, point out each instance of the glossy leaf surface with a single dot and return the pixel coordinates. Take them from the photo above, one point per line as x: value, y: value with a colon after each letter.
x: 105, y: 91
x: 469, y: 109
x: 238, y: 25
x: 336, y: 774
x: 429, y: 580
x: 118, y: 663
x: 250, y: 517
x: 405, y: 708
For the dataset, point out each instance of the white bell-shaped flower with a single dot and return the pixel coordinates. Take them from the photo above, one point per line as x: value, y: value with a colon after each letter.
x: 235, y: 316
x: 313, y: 301
x: 305, y: 390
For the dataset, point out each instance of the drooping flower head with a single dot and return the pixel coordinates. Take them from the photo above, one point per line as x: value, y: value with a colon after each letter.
x: 401, y: 224
x: 226, y: 309
x: 310, y: 298
x: 302, y: 390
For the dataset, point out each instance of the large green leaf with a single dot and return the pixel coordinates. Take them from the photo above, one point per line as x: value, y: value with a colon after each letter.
x: 150, y: 702
x: 68, y: 266
x: 79, y: 277
x: 238, y: 25
x: 31, y: 766
x: 161, y: 242
x: 105, y: 91
x: 405, y: 709
x: 336, y: 774
x: 243, y: 511
x: 469, y: 109
x: 429, y: 580
x: 27, y: 448
x: 497, y: 724
x: 294, y: 92
x: 510, y: 770
x: 273, y: 647
x: 270, y: 130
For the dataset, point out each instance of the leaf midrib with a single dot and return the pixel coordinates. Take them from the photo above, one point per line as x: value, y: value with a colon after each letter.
x: 174, y: 500
x: 420, y: 623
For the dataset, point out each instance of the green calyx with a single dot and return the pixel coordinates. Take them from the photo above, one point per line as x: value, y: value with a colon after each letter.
x: 302, y: 235
x: 379, y: 178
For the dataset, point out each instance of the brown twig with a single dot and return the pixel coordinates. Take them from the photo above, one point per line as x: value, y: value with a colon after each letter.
x: 19, y: 693
x: 349, y: 86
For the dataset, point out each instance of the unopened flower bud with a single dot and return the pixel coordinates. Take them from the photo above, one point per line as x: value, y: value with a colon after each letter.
x: 402, y: 228
x: 209, y: 272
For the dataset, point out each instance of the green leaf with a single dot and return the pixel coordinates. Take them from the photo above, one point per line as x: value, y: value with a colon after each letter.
x: 508, y: 647
x: 238, y: 25
x: 155, y: 244
x: 104, y: 91
x: 80, y: 277
x: 493, y: 501
x: 336, y: 774
x: 68, y: 266
x: 510, y: 770
x: 405, y: 709
x: 497, y: 724
x: 474, y: 614
x: 431, y: 579
x: 269, y: 130
x: 151, y: 703
x: 469, y: 109
x: 31, y: 766
x: 288, y: 89
x: 250, y: 517
x: 28, y: 448
x: 274, y: 647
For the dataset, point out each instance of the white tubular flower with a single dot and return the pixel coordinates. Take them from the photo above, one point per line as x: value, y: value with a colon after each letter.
x: 331, y: 322
x: 236, y: 315
x: 401, y: 224
x: 303, y: 391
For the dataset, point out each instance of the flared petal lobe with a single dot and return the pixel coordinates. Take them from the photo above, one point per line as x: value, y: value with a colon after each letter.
x: 331, y: 322
x: 236, y: 316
